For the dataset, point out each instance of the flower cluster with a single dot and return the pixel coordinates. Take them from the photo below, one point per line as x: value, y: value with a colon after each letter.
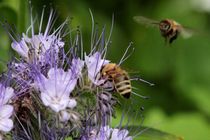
x: 53, y: 93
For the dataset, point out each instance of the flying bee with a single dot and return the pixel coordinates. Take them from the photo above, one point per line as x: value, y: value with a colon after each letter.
x: 116, y: 76
x: 169, y: 28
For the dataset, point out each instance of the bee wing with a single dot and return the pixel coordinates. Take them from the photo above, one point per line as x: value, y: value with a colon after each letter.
x: 146, y: 21
x: 186, y: 32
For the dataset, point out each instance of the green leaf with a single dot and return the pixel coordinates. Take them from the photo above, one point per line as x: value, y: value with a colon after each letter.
x: 20, y: 8
x: 22, y: 15
x: 148, y: 133
x: 154, y: 134
x: 9, y: 14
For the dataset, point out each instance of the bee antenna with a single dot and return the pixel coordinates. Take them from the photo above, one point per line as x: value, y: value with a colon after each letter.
x: 144, y: 97
x: 142, y: 80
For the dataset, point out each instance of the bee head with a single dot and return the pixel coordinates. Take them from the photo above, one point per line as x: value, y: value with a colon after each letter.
x: 165, y: 25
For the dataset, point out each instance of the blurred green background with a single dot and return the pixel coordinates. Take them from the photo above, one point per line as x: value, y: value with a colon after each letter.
x: 180, y: 99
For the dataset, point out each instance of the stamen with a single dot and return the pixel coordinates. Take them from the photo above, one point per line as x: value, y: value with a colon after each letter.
x: 93, y: 28
x: 42, y: 17
x: 110, y: 33
x: 124, y: 57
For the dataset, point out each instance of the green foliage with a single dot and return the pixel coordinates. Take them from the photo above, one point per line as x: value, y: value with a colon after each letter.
x: 189, y: 126
x: 8, y: 14
x: 154, y: 134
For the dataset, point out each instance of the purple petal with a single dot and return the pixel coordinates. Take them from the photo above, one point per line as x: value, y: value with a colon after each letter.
x: 6, y: 111
x: 6, y: 125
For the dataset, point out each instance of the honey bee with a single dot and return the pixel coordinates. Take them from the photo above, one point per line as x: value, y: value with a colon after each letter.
x: 169, y: 28
x: 116, y: 76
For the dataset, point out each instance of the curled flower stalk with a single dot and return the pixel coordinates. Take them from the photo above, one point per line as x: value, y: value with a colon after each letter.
x: 59, y: 89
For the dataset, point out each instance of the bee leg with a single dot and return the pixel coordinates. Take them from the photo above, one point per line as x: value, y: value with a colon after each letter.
x: 139, y: 95
x: 127, y: 95
x: 174, y: 37
x: 166, y: 41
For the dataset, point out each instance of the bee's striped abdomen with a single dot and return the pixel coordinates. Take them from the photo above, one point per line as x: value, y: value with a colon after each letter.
x: 116, y: 79
x: 123, y: 87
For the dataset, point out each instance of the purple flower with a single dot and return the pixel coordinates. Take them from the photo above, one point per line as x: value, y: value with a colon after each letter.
x: 21, y: 48
x: 39, y: 43
x: 34, y: 48
x: 6, y: 124
x: 5, y: 94
x: 94, y: 64
x: 107, y: 133
x: 56, y: 87
x: 6, y: 111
